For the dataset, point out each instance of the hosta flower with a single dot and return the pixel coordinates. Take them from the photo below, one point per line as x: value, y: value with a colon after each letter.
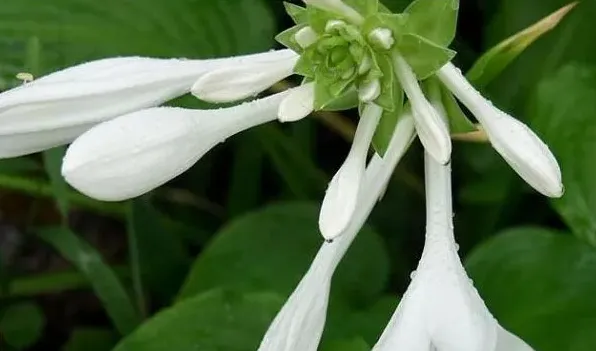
x: 441, y: 310
x: 57, y: 108
x: 299, y: 325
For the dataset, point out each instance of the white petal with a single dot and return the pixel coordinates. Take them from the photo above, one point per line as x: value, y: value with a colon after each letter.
x: 245, y: 80
x: 518, y: 144
x: 299, y: 325
x: 298, y: 104
x: 507, y: 341
x: 341, y: 197
x: 431, y: 128
x: 138, y: 152
x: 306, y: 36
x: 55, y: 109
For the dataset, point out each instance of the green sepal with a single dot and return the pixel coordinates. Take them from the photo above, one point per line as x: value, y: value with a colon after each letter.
x: 299, y: 14
x: 435, y: 20
x: 389, y: 120
x: 318, y: 19
x: 388, y: 83
x: 287, y: 38
x: 305, y: 66
x: 328, y: 90
x: 458, y: 121
x: 396, y: 22
x: 424, y: 56
x: 346, y: 101
x: 364, y: 7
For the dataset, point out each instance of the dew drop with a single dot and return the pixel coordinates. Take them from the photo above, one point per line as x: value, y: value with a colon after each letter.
x: 413, y: 275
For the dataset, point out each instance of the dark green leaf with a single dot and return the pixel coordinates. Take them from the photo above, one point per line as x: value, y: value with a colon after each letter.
x: 539, y: 285
x: 21, y: 325
x: 564, y: 113
x: 347, y: 345
x: 211, y: 321
x: 91, y: 339
x: 52, y: 160
x: 271, y: 249
x: 103, y: 279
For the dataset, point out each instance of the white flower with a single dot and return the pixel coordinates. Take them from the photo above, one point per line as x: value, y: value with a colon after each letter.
x: 135, y: 153
x: 518, y: 145
x: 55, y: 109
x: 341, y: 198
x: 441, y: 310
x: 299, y: 325
x: 432, y: 129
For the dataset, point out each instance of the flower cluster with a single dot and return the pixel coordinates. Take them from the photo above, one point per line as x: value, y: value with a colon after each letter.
x: 353, y: 53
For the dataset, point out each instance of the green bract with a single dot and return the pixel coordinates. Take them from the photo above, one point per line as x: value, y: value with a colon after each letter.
x: 343, y: 55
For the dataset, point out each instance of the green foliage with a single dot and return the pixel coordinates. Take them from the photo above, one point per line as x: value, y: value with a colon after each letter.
x: 91, y: 339
x: 21, y: 325
x: 538, y: 284
x: 567, y: 123
x: 271, y: 249
x: 103, y: 279
x: 214, y: 320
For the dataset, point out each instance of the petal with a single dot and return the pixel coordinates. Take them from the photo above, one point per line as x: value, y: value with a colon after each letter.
x: 406, y: 330
x: 456, y: 317
x: 138, y: 152
x: 298, y: 104
x: 55, y: 109
x: 518, y: 144
x: 299, y: 325
x: 341, y: 197
x: 507, y: 341
x: 432, y: 129
x: 244, y: 80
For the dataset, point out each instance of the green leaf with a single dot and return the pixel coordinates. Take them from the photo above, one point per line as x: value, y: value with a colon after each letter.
x: 21, y: 325
x: 298, y: 13
x: 395, y: 21
x: 390, y: 117
x: 356, y: 344
x: 389, y: 99
x: 105, y: 283
x: 564, y: 114
x: 434, y: 20
x: 424, y: 56
x: 91, y: 339
x: 74, y: 31
x: 499, y: 57
x: 344, y: 102
x: 16, y: 166
x: 539, y: 285
x: 211, y: 321
x: 302, y: 177
x: 271, y: 250
x: 162, y: 258
x: 52, y: 160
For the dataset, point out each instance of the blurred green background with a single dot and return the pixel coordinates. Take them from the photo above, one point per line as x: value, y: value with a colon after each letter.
x: 205, y: 262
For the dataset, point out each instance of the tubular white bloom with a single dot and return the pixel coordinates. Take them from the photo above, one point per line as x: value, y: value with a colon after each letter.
x: 441, y: 310
x: 299, y: 325
x: 517, y: 144
x: 298, y: 104
x: 431, y: 128
x: 341, y: 198
x: 138, y: 152
x: 55, y: 109
x: 244, y: 80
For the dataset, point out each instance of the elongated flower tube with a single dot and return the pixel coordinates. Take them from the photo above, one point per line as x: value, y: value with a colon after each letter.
x: 518, y: 144
x: 341, y: 198
x: 299, y: 325
x: 138, y: 152
x: 441, y: 310
x: 55, y: 109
